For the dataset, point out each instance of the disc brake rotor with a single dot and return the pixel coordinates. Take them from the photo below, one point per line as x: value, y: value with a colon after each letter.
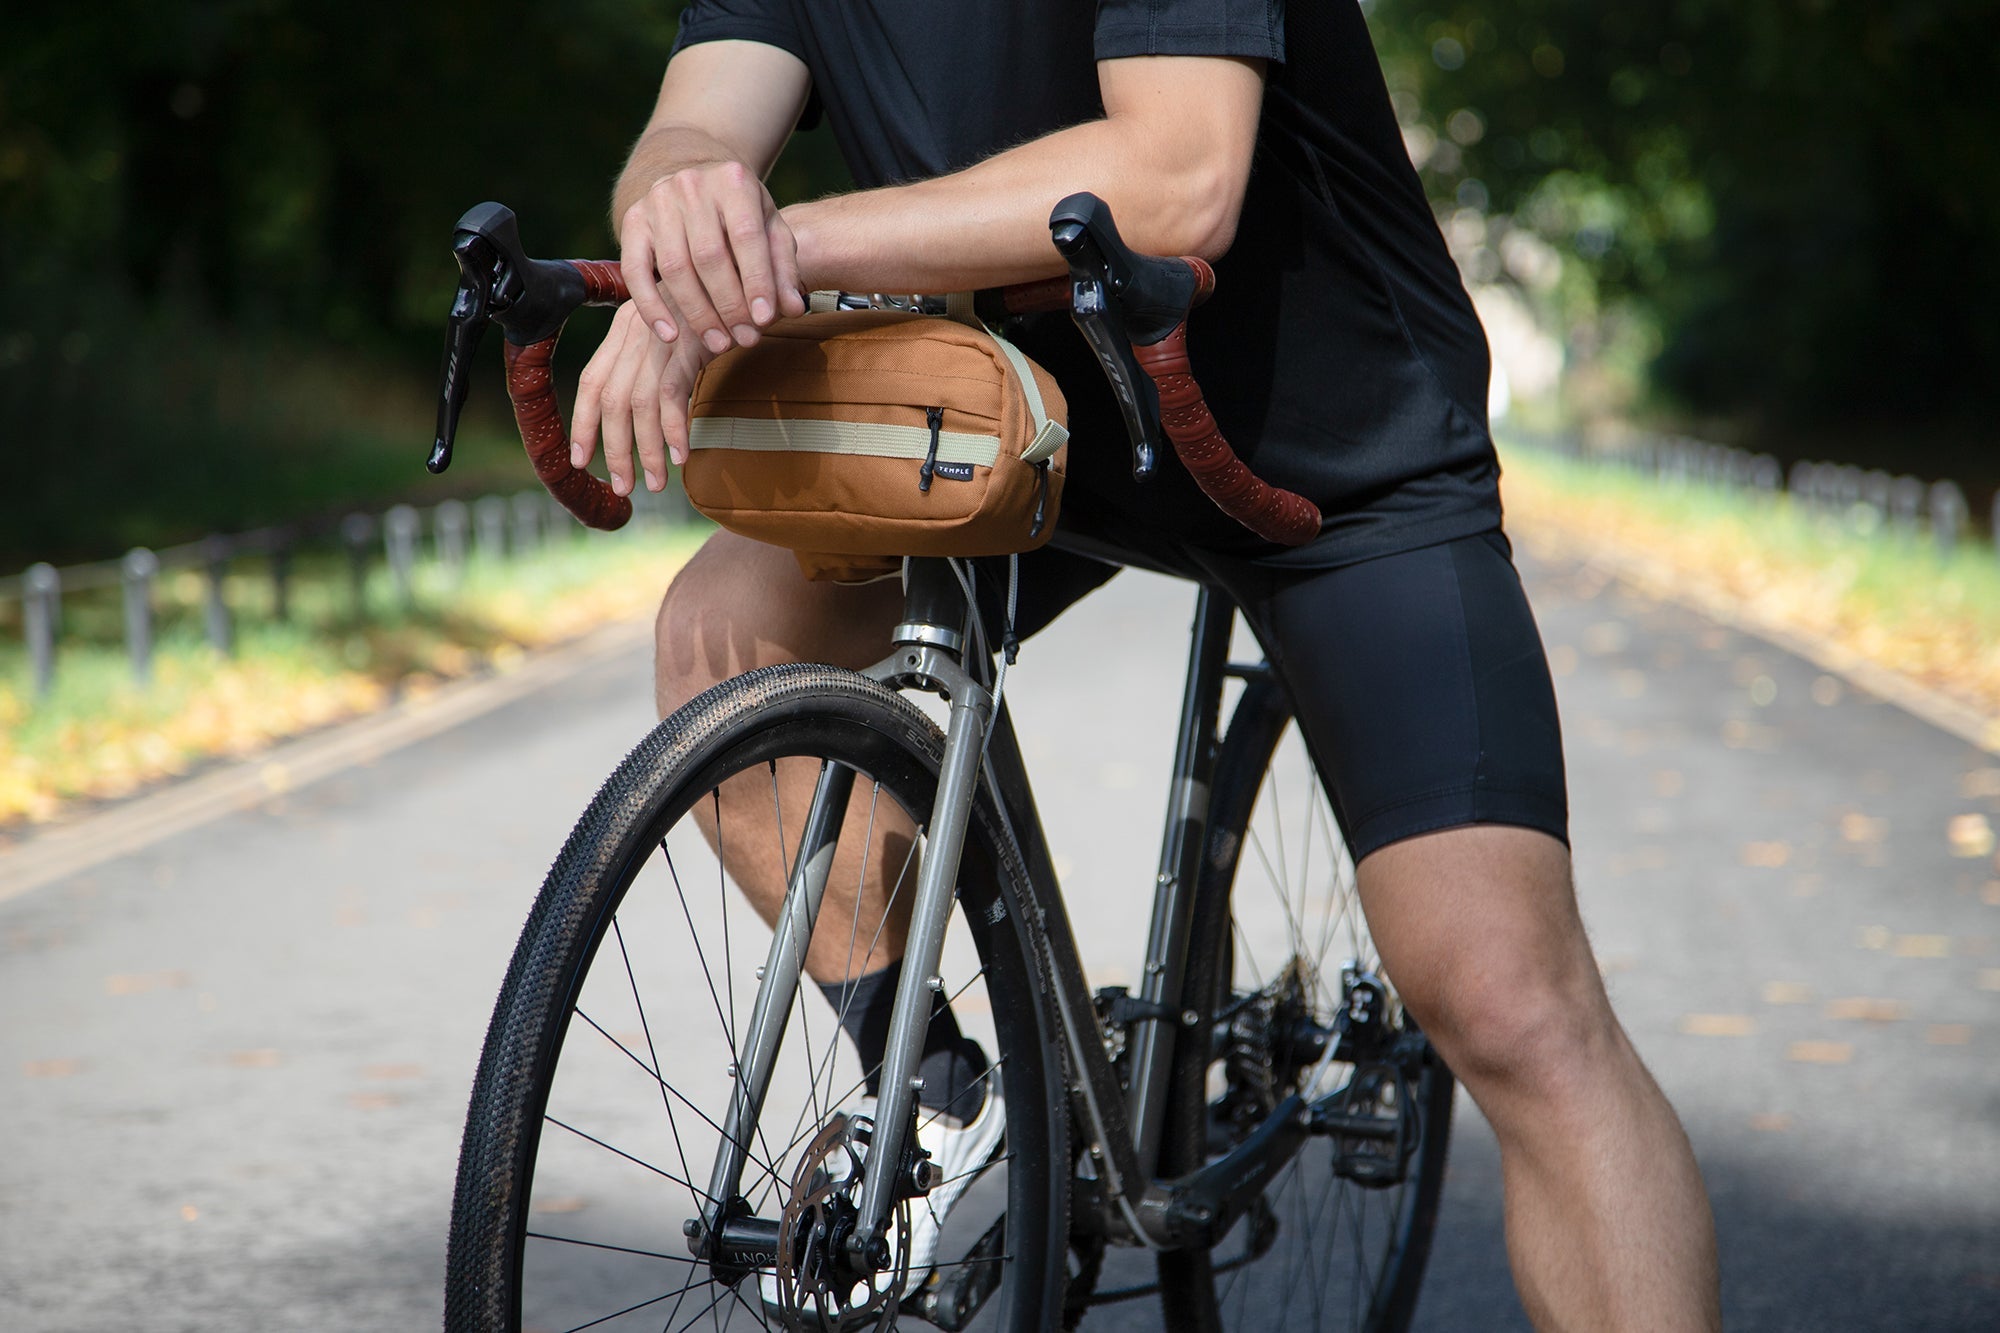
x: 816, y: 1289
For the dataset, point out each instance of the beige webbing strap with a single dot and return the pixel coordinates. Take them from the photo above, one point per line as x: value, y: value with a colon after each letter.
x: 1049, y: 435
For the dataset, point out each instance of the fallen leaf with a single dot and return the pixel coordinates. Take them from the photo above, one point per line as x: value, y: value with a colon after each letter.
x: 566, y: 1204
x: 1866, y: 1009
x: 189, y: 1212
x: 372, y: 1101
x: 1826, y: 691
x: 1970, y: 836
x: 1990, y: 895
x: 65, y: 1068
x: 1787, y: 992
x: 389, y: 1072
x: 1773, y: 1121
x: 1718, y: 1025
x: 1923, y: 946
x: 1989, y: 978
x: 1770, y: 855
x: 1629, y: 683
x: 262, y: 1057
x: 1948, y: 1034
x: 1860, y: 828
x: 1980, y: 782
x: 1875, y: 937
x: 1820, y: 1052
x: 1668, y: 782
x: 1606, y: 636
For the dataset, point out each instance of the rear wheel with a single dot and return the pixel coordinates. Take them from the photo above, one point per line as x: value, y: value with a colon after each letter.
x: 1297, y: 1002
x: 613, y: 1054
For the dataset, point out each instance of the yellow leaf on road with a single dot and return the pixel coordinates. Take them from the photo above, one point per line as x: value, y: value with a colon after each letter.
x: 1770, y: 855
x: 1787, y: 992
x: 1820, y: 1052
x: 1718, y: 1025
x: 1867, y: 1009
x: 1970, y: 836
x: 1923, y: 946
x: 1949, y: 1034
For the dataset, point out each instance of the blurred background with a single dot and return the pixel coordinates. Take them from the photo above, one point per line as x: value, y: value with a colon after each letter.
x: 1768, y: 222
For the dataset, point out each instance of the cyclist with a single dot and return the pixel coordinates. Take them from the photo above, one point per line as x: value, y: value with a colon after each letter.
x: 1342, y: 355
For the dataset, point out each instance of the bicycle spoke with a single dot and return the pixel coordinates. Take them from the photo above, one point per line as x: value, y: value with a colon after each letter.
x: 766, y: 1167
x: 652, y: 1054
x: 663, y: 1296
x: 620, y: 1152
x: 620, y: 1249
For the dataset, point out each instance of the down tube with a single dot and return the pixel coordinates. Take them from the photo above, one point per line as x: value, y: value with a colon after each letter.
x: 1180, y: 867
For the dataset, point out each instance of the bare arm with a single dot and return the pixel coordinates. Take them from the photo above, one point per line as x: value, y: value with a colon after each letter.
x: 1171, y: 157
x: 690, y: 201
x: 704, y: 253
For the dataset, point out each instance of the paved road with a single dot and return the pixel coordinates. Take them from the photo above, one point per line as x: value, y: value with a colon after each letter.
x: 233, y: 1066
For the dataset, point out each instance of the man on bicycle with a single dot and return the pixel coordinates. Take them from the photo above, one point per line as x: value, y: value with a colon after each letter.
x: 1345, y: 362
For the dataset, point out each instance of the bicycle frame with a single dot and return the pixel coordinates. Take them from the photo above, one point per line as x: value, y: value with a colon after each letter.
x: 1124, y: 1129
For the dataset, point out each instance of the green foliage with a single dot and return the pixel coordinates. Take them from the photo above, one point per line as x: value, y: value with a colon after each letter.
x: 227, y: 231
x: 1801, y: 195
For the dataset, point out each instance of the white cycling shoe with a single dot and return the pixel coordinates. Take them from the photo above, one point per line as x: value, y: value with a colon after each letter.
x: 959, y: 1151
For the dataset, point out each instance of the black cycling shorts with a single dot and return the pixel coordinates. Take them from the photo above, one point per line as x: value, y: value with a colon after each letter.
x: 1418, y: 678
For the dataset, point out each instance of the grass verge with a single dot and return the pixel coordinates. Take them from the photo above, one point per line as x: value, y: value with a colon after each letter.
x: 1889, y: 599
x: 99, y: 735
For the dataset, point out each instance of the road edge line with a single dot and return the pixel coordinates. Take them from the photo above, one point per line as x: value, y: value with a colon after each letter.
x: 70, y: 848
x: 1660, y: 580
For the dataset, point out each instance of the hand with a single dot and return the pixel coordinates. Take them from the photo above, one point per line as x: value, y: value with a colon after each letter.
x: 708, y: 258
x: 636, y: 388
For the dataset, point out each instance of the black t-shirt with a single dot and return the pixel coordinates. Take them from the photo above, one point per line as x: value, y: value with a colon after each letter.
x: 1340, y: 353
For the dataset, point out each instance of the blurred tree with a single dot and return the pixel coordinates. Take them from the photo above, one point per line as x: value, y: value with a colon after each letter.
x: 224, y: 232
x: 1800, y: 198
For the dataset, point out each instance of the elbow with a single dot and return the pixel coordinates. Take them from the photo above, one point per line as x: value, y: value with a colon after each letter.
x: 1209, y: 199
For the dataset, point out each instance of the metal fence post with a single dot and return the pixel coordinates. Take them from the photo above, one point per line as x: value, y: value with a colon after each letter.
x: 355, y: 531
x: 399, y: 542
x: 137, y: 572
x: 448, y: 524
x: 1906, y: 505
x: 281, y: 579
x: 527, y: 521
x: 215, y: 554
x: 41, y: 605
x: 1948, y: 515
x: 489, y: 521
x: 1766, y: 476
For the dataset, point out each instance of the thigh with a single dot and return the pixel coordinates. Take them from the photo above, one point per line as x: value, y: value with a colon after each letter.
x: 1422, y: 690
x: 739, y: 604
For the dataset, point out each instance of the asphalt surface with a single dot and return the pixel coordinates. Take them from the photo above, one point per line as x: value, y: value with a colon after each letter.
x: 234, y: 1065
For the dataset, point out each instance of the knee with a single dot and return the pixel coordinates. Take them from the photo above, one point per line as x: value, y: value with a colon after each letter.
x: 1546, y: 1031
x: 739, y: 604
x: 692, y: 636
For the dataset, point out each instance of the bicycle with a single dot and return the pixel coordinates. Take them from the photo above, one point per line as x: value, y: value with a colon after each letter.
x: 1261, y: 1113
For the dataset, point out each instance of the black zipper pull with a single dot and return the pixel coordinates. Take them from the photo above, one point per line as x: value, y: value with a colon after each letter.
x: 1041, y: 497
x: 934, y: 416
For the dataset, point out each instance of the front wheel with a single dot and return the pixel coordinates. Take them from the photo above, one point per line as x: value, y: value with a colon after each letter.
x: 1298, y: 1002
x: 613, y: 1055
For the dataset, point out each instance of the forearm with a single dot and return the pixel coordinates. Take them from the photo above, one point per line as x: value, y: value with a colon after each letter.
x: 989, y: 224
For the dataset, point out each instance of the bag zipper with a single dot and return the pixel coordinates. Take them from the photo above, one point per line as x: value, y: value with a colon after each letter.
x: 934, y: 417
x: 1041, y: 497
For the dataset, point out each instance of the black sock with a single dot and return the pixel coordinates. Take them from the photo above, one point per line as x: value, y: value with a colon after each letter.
x: 953, y: 1067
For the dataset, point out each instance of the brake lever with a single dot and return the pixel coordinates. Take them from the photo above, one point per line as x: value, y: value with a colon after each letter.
x: 530, y: 299
x: 1097, y: 317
